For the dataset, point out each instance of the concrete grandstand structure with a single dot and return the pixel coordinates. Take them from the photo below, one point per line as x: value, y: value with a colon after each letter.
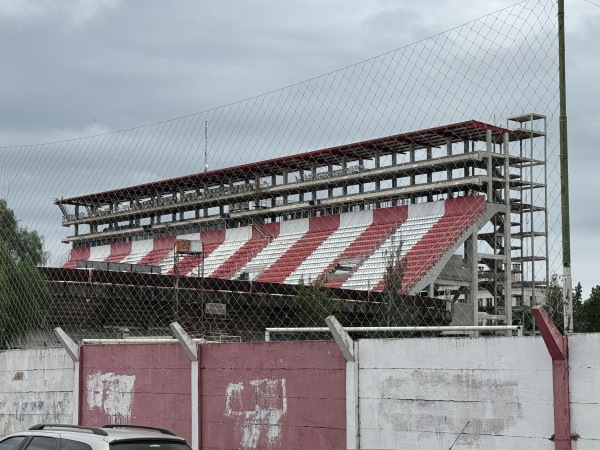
x: 460, y: 208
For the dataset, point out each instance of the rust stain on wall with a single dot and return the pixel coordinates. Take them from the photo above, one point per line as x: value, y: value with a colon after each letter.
x: 19, y: 376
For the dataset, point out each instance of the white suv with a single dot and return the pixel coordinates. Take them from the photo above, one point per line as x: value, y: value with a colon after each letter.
x: 108, y: 437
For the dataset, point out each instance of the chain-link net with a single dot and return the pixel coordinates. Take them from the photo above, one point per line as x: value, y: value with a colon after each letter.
x: 417, y: 188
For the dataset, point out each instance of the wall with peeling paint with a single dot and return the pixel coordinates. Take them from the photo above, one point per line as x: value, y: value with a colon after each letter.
x: 417, y: 393
x: 147, y: 384
x: 35, y: 386
x: 423, y: 392
x: 274, y: 395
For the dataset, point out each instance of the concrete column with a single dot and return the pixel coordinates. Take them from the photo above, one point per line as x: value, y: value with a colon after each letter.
x: 413, y: 177
x: 472, y: 267
x: 74, y: 353
x: 507, y: 236
x: 192, y: 351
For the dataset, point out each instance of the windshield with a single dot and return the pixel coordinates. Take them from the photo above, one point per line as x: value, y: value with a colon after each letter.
x: 149, y: 445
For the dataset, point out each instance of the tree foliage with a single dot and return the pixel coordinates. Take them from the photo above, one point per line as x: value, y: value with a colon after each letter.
x: 555, y: 302
x: 312, y: 304
x: 400, y: 309
x: 587, y: 314
x: 24, y: 294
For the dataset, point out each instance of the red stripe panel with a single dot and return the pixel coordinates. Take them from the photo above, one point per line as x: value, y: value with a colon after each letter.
x: 385, y: 222
x: 210, y: 241
x: 319, y: 229
x: 460, y: 214
x: 247, y: 251
x: 77, y: 254
x: 161, y: 247
x: 118, y: 252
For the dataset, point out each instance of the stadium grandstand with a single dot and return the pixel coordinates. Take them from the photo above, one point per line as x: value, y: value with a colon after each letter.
x: 454, y: 208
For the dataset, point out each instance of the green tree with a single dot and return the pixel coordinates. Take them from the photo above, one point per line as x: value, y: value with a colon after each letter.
x: 587, y: 319
x: 399, y: 309
x: 24, y: 294
x: 577, y: 304
x: 312, y: 304
x: 555, y: 303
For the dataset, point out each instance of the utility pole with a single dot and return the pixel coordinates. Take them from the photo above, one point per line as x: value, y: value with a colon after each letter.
x: 564, y: 175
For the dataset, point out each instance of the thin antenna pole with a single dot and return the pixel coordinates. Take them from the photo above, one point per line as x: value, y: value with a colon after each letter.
x: 206, y: 145
x: 564, y: 175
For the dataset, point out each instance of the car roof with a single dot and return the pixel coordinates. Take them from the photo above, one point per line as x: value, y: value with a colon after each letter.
x: 95, y: 434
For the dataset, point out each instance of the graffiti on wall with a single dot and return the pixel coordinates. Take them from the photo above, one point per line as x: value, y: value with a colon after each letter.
x: 112, y: 394
x: 25, y: 399
x: 258, y: 406
x: 23, y: 409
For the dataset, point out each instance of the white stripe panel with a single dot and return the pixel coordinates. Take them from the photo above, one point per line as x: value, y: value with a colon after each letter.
x: 351, y: 226
x: 290, y: 232
x: 99, y: 253
x: 234, y: 239
x: 139, y: 249
x: 421, y: 218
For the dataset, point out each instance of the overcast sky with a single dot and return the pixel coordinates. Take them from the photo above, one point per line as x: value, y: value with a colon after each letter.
x: 73, y: 69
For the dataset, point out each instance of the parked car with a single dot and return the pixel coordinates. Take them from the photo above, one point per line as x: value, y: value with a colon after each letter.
x: 108, y: 437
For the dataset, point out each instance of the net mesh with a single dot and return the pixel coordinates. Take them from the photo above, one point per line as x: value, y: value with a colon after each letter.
x: 416, y: 188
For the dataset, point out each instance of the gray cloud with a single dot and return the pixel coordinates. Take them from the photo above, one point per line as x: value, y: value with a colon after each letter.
x: 77, y: 69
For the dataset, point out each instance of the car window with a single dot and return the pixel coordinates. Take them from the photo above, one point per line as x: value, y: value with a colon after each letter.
x: 11, y: 443
x: 41, y: 443
x: 68, y: 444
x: 149, y: 445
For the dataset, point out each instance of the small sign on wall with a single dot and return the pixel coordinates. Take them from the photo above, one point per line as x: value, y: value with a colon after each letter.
x: 217, y: 309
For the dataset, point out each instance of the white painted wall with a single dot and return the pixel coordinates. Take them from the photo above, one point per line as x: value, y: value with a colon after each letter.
x: 584, y: 381
x: 420, y: 393
x: 35, y: 386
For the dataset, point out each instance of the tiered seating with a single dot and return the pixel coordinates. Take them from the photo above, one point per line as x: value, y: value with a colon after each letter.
x: 77, y: 254
x: 235, y: 238
x: 460, y: 214
x: 139, y: 249
x: 420, y: 219
x: 289, y: 233
x: 161, y: 247
x: 190, y: 263
x: 260, y: 239
x: 309, y: 249
x: 383, y: 223
x: 118, y: 252
x: 320, y: 228
x: 326, y: 255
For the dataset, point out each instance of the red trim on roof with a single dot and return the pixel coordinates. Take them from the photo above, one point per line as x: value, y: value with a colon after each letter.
x: 459, y: 130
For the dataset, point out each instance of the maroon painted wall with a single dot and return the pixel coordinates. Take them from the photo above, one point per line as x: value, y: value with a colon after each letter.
x: 146, y: 384
x: 272, y: 395
x: 284, y: 395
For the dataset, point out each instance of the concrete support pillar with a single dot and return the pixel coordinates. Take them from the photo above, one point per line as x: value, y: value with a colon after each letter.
x: 193, y: 352
x: 507, y: 235
x: 394, y: 180
x: 472, y: 266
x: 74, y: 353
x: 349, y: 350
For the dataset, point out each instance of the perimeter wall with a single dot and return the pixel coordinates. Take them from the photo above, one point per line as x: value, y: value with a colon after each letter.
x: 401, y: 393
x: 35, y: 386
